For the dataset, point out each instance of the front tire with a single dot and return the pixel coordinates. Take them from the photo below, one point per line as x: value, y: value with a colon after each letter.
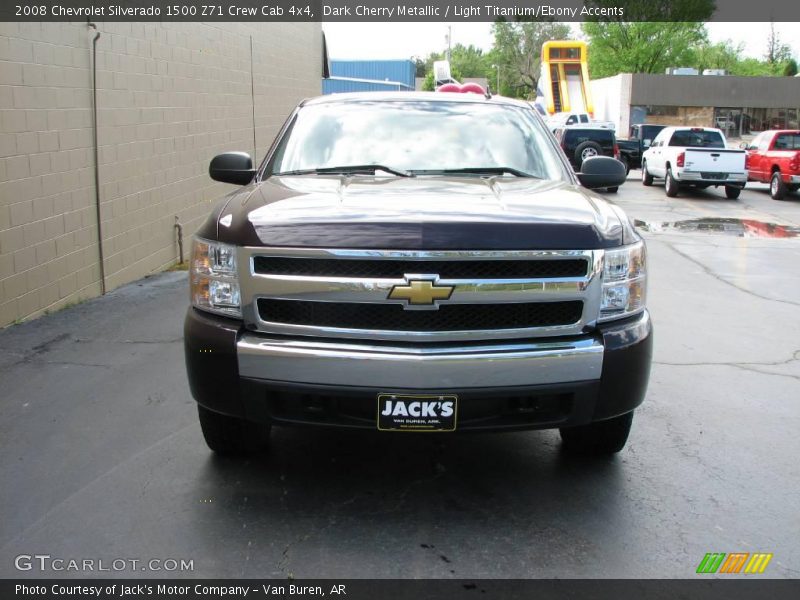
x: 777, y: 188
x: 670, y: 185
x: 624, y: 161
x: 602, y: 437
x: 647, y: 179
x: 230, y: 436
x: 732, y: 192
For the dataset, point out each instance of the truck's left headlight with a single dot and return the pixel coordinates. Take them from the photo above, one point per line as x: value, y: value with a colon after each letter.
x: 213, y: 278
x: 624, y: 282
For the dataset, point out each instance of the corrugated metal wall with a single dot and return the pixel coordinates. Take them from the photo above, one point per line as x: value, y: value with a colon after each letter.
x: 339, y: 86
x: 402, y: 71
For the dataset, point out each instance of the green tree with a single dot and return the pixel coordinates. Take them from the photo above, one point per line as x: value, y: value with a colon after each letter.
x: 723, y: 55
x: 467, y: 61
x: 790, y: 70
x: 427, y: 84
x: 751, y: 67
x: 420, y: 66
x: 777, y: 53
x: 655, y: 35
x: 518, y: 53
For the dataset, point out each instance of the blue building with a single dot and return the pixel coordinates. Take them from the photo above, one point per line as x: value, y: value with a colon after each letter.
x: 370, y: 76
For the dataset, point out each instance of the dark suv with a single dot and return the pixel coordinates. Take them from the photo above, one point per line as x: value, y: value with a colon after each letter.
x: 580, y: 143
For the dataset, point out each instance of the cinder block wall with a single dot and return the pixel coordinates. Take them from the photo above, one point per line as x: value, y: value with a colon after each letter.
x: 170, y: 96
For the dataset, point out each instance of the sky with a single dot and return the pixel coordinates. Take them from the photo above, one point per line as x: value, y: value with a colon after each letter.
x: 403, y: 40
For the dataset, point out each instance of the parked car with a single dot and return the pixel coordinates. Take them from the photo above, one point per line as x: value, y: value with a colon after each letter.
x: 774, y: 157
x: 365, y: 277
x: 577, y: 119
x: 579, y: 144
x: 631, y: 150
x: 696, y: 157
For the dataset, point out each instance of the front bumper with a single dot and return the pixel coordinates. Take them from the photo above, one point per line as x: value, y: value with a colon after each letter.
x: 526, y: 384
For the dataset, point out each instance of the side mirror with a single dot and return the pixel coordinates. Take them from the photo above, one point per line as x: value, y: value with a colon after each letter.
x: 646, y: 143
x: 601, y: 172
x: 744, y: 146
x: 232, y: 167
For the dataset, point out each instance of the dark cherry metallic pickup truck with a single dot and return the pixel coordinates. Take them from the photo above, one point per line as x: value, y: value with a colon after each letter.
x: 417, y: 262
x: 774, y: 157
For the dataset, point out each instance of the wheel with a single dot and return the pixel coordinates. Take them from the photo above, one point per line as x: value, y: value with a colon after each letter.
x: 624, y: 161
x: 613, y: 190
x: 231, y: 436
x: 602, y: 437
x: 647, y: 179
x: 587, y: 150
x: 670, y: 186
x: 732, y: 192
x: 777, y: 188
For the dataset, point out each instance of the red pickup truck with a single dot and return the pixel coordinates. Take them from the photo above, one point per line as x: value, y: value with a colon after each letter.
x: 774, y: 157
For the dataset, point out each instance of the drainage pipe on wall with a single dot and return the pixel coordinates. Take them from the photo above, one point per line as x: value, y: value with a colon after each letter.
x: 95, y: 149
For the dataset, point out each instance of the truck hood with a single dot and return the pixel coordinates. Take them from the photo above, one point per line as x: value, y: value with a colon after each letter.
x: 425, y: 212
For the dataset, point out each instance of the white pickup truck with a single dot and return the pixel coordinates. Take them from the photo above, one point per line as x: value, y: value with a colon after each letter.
x: 696, y: 157
x: 576, y: 119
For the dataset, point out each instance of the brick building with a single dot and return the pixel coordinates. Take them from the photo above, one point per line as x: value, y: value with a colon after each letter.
x: 169, y: 97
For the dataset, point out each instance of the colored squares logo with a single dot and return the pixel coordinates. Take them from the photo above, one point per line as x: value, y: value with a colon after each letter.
x: 734, y: 563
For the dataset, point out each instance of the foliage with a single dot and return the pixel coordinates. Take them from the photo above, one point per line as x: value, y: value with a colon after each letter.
x: 790, y: 68
x: 723, y: 55
x: 518, y: 53
x: 751, y: 67
x: 467, y: 61
x: 658, y: 34
x: 777, y: 52
x: 428, y: 83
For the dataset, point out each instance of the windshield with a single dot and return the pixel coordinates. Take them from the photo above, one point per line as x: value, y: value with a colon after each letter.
x: 418, y: 136
x: 690, y: 138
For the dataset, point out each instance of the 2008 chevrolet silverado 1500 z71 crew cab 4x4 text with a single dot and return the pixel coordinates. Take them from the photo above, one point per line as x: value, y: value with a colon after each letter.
x: 417, y: 262
x: 694, y: 156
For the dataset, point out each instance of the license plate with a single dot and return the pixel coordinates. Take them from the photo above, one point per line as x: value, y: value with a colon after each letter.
x: 714, y: 175
x: 410, y: 412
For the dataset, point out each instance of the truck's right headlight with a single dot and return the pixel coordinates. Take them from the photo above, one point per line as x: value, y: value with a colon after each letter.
x: 624, y: 282
x: 213, y: 278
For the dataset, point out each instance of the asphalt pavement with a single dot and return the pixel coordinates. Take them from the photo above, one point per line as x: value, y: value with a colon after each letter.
x: 103, y: 459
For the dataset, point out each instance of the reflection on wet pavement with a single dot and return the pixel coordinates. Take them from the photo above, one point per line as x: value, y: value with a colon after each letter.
x: 737, y: 227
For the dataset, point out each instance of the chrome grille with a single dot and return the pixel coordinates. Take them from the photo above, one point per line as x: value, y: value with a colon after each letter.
x: 393, y: 269
x: 393, y: 317
x: 344, y: 293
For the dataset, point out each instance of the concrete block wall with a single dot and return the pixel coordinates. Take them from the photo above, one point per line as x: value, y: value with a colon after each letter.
x: 170, y: 96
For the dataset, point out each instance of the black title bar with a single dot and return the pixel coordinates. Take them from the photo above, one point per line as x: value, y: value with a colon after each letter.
x: 389, y: 589
x: 400, y: 10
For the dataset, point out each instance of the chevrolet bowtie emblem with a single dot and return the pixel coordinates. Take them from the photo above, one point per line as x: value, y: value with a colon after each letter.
x: 421, y: 292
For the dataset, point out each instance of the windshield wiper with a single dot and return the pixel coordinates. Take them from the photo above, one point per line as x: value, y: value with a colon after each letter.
x: 478, y: 171
x: 349, y: 169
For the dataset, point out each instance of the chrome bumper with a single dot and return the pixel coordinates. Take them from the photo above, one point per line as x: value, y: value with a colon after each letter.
x: 697, y: 176
x: 794, y: 178
x: 403, y: 367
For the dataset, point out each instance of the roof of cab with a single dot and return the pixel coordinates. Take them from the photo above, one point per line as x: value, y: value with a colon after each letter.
x: 414, y: 96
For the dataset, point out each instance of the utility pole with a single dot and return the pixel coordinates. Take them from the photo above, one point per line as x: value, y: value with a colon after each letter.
x: 448, y: 37
x: 497, y: 90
